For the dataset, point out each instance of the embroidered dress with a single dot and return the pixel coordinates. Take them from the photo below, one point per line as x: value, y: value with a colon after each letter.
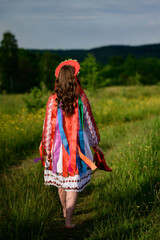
x: 68, y: 139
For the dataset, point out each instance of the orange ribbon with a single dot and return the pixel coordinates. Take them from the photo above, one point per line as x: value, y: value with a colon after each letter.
x: 86, y: 160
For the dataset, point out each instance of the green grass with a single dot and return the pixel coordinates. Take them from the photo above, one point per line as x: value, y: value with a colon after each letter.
x: 129, y: 197
x: 123, y: 204
x: 21, y: 131
x: 20, y: 135
x: 11, y: 104
x: 124, y: 104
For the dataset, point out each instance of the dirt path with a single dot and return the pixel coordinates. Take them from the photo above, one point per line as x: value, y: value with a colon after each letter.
x: 84, y: 216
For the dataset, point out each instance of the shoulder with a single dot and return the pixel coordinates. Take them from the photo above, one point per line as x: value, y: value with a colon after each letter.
x: 52, y: 97
x: 51, y: 100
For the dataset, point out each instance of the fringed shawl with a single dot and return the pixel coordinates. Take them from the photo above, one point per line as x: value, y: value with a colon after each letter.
x: 68, y: 130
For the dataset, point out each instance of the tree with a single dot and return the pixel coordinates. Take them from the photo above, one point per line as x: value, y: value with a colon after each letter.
x: 48, y: 63
x: 28, y: 75
x: 89, y: 72
x: 9, y: 61
x: 115, y: 61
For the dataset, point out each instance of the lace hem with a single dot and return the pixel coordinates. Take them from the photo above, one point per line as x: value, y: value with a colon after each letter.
x: 75, y: 183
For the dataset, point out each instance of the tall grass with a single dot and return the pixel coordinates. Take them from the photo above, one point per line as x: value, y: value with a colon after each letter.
x: 123, y: 204
x: 119, y: 104
x: 20, y: 135
x: 128, y: 199
x: 21, y: 130
x: 29, y: 209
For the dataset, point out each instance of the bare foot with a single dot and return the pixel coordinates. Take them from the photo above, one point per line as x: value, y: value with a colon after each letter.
x: 70, y: 226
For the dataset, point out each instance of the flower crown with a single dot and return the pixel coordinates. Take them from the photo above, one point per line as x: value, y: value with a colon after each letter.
x: 73, y: 63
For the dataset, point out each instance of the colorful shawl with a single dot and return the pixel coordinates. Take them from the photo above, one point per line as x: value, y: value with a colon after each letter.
x: 68, y: 130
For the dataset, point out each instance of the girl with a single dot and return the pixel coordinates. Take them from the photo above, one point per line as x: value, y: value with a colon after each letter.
x: 69, y: 131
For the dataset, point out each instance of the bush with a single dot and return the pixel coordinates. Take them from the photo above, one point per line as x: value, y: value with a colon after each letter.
x: 34, y: 100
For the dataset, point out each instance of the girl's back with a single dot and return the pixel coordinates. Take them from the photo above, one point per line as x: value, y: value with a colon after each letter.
x: 69, y: 131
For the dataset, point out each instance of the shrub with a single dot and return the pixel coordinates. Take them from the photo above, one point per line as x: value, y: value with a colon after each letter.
x: 34, y: 100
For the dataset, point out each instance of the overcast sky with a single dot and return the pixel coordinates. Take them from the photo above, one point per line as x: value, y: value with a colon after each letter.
x: 80, y: 24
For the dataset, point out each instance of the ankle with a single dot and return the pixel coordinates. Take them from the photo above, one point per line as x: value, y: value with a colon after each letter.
x: 64, y: 212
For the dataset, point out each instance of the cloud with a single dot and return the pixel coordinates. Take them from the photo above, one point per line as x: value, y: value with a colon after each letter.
x: 80, y: 23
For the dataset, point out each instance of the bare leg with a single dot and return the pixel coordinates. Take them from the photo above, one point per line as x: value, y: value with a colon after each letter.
x: 71, y: 198
x: 62, y: 196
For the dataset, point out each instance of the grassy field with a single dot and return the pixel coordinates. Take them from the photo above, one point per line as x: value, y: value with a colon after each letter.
x: 20, y: 130
x: 123, y: 204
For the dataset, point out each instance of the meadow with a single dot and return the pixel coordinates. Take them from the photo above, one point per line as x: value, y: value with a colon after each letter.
x: 122, y: 204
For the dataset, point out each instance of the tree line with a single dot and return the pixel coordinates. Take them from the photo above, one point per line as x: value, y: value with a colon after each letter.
x: 21, y: 70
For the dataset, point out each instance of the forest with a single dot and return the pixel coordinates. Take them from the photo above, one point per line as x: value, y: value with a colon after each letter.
x: 124, y: 94
x: 23, y: 69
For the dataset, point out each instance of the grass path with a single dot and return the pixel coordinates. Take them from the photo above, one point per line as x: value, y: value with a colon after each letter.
x: 123, y: 204
x: 83, y: 217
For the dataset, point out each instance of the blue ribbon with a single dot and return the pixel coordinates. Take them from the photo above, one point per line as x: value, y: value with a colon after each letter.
x: 82, y: 167
x: 61, y: 130
x: 81, y: 138
x: 79, y: 165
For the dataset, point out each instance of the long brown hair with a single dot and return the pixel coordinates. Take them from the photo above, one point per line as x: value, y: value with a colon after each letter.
x: 67, y: 89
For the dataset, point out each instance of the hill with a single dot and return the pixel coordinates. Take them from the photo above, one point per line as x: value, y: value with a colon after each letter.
x: 102, y: 54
